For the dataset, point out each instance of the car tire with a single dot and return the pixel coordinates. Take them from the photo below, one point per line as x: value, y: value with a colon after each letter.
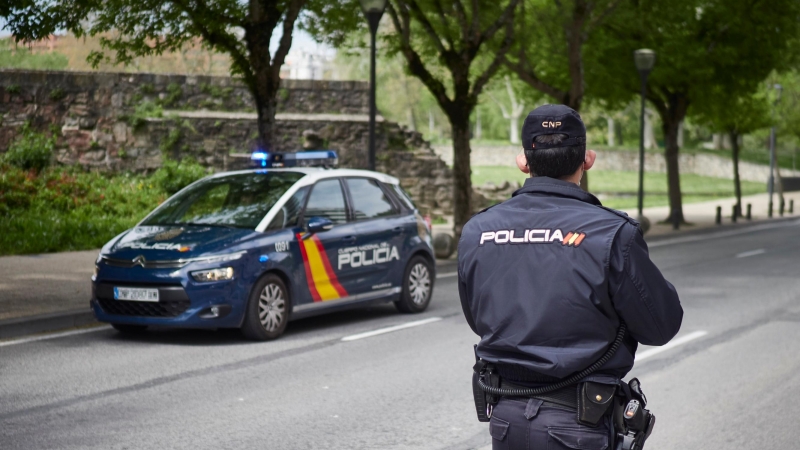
x: 129, y: 329
x: 417, y: 286
x: 268, y: 309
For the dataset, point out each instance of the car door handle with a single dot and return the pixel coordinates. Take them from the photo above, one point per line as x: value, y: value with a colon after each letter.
x: 398, y: 230
x: 349, y: 239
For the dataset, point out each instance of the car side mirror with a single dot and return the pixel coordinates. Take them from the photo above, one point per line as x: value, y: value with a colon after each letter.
x: 317, y: 224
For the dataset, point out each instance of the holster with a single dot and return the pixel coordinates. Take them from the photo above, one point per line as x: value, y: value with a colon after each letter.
x: 632, y: 431
x: 594, y: 401
x: 484, y: 402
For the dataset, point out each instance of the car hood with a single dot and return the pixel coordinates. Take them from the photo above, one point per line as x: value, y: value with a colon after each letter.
x: 177, y: 242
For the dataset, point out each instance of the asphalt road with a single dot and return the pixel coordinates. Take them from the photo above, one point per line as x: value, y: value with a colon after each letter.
x: 731, y: 382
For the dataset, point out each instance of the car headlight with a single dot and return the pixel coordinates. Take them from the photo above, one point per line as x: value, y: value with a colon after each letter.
x: 224, y: 273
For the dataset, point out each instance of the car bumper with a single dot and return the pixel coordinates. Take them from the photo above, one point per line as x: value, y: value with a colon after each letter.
x: 219, y: 305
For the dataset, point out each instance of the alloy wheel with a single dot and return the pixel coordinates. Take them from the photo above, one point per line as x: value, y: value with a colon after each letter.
x: 419, y: 283
x: 272, y: 307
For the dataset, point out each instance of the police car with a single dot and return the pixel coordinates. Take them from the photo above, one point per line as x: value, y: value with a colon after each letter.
x: 254, y: 249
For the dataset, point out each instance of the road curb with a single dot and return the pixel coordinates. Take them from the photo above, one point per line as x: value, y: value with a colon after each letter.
x: 687, y: 231
x: 42, y: 323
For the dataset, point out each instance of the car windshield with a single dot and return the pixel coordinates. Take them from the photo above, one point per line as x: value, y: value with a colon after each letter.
x: 238, y: 200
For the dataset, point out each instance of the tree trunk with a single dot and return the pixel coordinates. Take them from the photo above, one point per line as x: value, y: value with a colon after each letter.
x: 737, y: 184
x: 266, y: 107
x: 462, y: 181
x: 611, y: 130
x: 671, y: 117
x: 513, y: 129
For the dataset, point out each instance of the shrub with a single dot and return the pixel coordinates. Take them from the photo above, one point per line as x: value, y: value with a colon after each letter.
x: 66, y: 208
x: 176, y: 175
x: 31, y: 150
x: 142, y: 112
x: 174, y: 94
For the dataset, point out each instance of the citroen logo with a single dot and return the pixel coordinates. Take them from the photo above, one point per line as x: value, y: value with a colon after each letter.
x: 139, y: 260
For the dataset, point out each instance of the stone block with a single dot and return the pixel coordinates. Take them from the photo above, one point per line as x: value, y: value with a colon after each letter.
x: 117, y: 99
x: 78, y: 140
x: 120, y: 130
x: 87, y: 122
x: 79, y: 110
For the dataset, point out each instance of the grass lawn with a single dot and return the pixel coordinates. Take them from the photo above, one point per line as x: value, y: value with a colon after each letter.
x: 618, y: 189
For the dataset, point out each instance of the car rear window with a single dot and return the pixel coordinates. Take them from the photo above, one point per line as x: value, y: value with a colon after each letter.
x: 403, y: 196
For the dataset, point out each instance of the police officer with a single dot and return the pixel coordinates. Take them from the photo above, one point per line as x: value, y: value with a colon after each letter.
x: 546, y: 278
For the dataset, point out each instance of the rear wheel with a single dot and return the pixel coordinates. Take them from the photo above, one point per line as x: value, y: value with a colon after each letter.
x: 129, y: 329
x: 267, y: 309
x: 417, y: 286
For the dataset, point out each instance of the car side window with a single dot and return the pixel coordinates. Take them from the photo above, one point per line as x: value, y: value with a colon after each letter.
x: 327, y: 200
x: 369, y: 200
x: 290, y: 211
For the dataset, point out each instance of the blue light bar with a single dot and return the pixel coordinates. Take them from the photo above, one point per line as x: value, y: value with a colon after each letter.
x: 323, y: 158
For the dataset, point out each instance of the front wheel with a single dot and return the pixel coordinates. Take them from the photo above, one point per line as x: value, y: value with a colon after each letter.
x: 267, y: 309
x: 417, y: 286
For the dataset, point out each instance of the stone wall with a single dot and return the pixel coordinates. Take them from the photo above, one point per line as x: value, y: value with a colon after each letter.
x: 88, y: 106
x: 699, y: 164
x: 211, y: 120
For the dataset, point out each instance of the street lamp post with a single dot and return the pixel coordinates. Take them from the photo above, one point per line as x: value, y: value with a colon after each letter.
x: 373, y: 11
x: 644, y: 59
x: 771, y: 183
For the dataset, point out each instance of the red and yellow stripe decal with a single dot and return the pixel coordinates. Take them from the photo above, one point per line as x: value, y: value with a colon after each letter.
x: 322, y: 281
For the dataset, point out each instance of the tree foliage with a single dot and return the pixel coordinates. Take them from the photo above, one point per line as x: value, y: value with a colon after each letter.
x: 703, y: 48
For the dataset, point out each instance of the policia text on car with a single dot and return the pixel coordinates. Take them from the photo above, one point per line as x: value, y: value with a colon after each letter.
x: 561, y: 291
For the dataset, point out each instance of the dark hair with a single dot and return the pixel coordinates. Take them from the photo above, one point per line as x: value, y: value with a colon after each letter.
x: 556, y: 162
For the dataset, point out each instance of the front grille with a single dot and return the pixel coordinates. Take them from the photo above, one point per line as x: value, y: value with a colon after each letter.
x: 128, y: 263
x: 145, y: 309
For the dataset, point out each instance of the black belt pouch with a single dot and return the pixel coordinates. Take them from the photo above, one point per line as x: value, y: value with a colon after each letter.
x: 594, y: 401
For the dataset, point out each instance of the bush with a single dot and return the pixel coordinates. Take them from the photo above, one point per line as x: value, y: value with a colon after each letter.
x: 31, y: 150
x: 65, y: 208
x: 142, y: 112
x: 174, y: 175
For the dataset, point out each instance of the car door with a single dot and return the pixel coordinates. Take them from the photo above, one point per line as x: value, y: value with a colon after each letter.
x: 326, y: 278
x: 380, y: 235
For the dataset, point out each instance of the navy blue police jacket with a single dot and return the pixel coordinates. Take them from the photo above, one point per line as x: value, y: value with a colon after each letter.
x: 546, y: 276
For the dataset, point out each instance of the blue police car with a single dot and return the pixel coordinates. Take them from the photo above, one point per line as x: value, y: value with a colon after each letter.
x: 255, y: 249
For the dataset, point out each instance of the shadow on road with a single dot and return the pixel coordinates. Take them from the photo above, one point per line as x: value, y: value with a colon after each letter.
x: 228, y: 336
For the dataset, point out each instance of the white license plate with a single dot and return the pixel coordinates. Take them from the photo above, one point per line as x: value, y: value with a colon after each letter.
x: 135, y: 294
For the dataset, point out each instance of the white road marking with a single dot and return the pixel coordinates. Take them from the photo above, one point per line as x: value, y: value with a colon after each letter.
x: 446, y: 275
x: 751, y: 253
x: 53, y: 336
x: 417, y: 323
x: 672, y: 344
x: 703, y: 237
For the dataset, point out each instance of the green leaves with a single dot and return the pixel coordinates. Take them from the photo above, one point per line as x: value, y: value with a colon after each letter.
x: 31, y: 150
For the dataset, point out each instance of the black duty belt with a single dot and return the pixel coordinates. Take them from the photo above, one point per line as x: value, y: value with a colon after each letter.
x: 567, y: 397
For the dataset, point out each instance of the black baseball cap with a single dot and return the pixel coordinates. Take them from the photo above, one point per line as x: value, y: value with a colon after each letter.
x: 553, y: 119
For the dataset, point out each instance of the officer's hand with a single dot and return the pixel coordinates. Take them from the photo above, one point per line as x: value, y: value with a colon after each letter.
x: 522, y: 163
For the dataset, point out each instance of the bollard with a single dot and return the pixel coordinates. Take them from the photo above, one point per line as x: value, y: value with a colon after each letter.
x: 769, y: 210
x: 718, y: 220
x: 733, y: 216
x: 781, y: 208
x: 749, y: 211
x: 791, y: 206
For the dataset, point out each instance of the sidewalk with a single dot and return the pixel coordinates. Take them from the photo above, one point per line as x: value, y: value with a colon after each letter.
x: 47, y: 292
x: 703, y: 215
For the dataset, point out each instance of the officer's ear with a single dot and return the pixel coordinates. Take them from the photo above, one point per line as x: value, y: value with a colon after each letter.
x: 588, y: 160
x: 522, y: 163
